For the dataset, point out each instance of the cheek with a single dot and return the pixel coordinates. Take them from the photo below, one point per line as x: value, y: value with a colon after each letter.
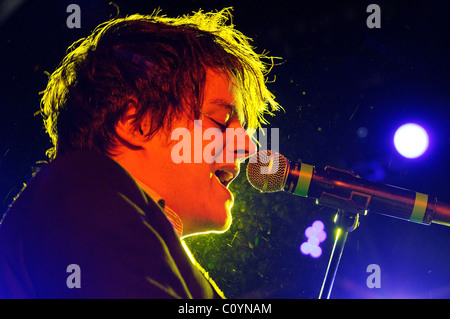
x: 193, y: 179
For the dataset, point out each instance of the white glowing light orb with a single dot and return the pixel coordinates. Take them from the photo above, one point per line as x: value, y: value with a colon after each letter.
x: 316, y: 251
x: 411, y: 140
x: 315, y: 234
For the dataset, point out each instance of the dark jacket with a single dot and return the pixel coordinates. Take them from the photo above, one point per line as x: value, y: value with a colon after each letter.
x: 85, y: 209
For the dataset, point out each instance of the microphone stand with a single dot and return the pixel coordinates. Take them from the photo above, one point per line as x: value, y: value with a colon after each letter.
x: 345, y: 222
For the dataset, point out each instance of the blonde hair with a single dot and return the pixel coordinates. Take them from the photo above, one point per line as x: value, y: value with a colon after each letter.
x: 158, y: 61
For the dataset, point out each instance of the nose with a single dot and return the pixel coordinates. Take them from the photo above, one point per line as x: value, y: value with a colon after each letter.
x: 239, y: 144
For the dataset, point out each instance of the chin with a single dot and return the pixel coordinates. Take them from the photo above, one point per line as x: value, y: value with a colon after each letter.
x: 220, y: 225
x: 216, y: 226
x: 225, y: 225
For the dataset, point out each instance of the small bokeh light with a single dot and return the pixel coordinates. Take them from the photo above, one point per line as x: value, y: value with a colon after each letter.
x: 411, y: 140
x: 315, y: 234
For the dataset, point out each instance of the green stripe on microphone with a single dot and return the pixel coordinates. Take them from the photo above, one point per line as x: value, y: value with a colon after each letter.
x: 420, y: 206
x: 304, y: 180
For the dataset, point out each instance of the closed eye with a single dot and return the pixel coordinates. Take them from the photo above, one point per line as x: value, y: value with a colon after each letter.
x: 222, y: 127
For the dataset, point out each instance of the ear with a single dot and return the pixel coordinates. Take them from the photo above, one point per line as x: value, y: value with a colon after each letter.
x: 128, y: 134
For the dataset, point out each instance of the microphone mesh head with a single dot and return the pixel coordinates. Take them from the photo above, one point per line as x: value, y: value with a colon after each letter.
x: 266, y: 171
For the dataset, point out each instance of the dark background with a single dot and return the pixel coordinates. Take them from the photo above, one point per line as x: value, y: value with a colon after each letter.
x: 336, y: 76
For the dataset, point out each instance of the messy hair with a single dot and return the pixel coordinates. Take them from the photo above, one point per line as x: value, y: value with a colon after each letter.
x: 160, y: 64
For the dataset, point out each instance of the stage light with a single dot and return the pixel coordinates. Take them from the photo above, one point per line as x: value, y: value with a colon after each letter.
x: 316, y: 251
x: 411, y: 140
x: 318, y: 225
x: 315, y: 234
x: 314, y: 241
x: 362, y: 132
x: 305, y: 248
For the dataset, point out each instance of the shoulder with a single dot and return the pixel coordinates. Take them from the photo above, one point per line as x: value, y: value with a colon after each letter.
x: 79, y: 176
x: 85, y: 209
x: 80, y: 188
x: 87, y: 168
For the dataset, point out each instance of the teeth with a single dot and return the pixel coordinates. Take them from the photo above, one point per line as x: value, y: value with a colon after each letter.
x: 227, y: 176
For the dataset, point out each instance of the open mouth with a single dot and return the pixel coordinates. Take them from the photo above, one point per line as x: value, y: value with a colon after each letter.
x: 225, y: 176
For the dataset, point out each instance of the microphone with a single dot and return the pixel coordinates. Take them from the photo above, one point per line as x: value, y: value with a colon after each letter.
x: 270, y: 171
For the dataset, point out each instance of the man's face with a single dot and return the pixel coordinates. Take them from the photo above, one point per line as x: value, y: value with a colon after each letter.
x: 192, y: 170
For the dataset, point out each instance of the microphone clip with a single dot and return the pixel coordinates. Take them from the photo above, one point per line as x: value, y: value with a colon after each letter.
x: 357, y: 203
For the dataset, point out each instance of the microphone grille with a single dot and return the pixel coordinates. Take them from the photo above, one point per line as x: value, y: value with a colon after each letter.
x: 266, y: 171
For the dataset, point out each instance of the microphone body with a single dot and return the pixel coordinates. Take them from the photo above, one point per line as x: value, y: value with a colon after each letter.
x: 344, y: 190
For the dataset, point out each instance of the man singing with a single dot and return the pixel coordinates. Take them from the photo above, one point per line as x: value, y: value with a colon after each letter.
x: 105, y: 217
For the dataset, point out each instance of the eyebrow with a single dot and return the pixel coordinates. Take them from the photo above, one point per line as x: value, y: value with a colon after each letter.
x: 229, y: 106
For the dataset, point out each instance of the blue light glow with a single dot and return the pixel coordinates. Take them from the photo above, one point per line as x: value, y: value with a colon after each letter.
x: 411, y: 140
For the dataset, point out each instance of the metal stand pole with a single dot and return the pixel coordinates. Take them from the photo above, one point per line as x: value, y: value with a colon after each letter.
x: 345, y: 222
